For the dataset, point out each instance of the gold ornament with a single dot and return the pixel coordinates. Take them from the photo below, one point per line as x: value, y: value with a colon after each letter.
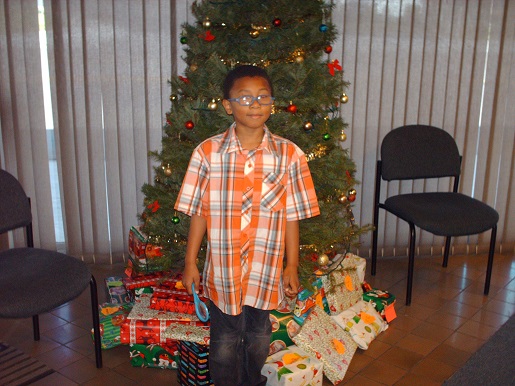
x: 173, y: 97
x: 323, y: 260
x: 308, y: 126
x: 344, y: 98
x: 167, y: 170
x: 343, y: 136
x: 254, y: 33
x: 299, y: 59
x: 342, y: 199
x: 212, y: 105
x: 206, y: 23
x: 193, y: 67
x: 352, y: 192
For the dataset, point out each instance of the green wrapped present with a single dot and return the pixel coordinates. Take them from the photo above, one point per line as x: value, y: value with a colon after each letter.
x: 162, y: 356
x: 111, y: 316
x: 383, y: 301
x: 284, y: 327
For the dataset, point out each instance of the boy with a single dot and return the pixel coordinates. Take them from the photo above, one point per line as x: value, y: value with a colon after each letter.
x: 248, y: 189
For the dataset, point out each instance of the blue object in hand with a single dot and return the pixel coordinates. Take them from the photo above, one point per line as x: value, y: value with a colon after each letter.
x: 200, y: 306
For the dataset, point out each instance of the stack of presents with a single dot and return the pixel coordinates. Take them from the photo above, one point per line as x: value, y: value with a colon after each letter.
x: 315, y: 334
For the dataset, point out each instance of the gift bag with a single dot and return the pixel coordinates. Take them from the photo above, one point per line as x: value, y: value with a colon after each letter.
x: 362, y: 322
x: 322, y: 338
x: 193, y: 364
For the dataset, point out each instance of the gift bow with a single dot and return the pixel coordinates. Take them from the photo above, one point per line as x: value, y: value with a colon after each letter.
x: 334, y: 65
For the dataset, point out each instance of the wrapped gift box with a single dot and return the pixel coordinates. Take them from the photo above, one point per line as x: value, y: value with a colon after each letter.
x: 111, y: 317
x: 342, y: 288
x: 173, y: 301
x: 307, y: 299
x: 383, y: 301
x: 193, y: 364
x: 145, y: 325
x: 146, y: 280
x: 362, y: 322
x: 284, y: 327
x: 144, y: 331
x: 188, y: 332
x: 141, y: 311
x: 325, y: 340
x: 163, y: 356
x: 116, y: 291
x: 351, y: 261
x: 292, y: 366
x: 137, y: 245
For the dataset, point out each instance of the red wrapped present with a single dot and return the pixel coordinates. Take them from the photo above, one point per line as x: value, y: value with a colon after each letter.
x: 146, y: 280
x: 173, y: 301
x: 137, y: 244
x: 144, y: 331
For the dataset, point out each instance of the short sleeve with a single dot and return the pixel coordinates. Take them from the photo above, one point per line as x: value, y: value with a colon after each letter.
x: 301, y: 200
x: 189, y: 200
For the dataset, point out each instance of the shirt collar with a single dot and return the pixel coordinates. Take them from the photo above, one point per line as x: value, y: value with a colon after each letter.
x: 230, y: 142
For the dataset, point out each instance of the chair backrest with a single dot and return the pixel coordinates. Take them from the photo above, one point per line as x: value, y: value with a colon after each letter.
x: 419, y: 151
x: 14, y: 204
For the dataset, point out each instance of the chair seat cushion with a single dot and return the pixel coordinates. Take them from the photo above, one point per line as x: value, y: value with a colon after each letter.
x: 33, y: 281
x: 443, y: 213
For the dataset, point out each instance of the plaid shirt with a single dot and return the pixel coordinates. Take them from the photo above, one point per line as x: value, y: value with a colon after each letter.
x: 213, y: 188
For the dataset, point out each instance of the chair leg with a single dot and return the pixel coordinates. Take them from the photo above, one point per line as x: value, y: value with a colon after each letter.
x: 374, y: 251
x: 446, y: 251
x: 96, y: 322
x: 35, y: 326
x: 411, y: 263
x: 490, y: 260
x: 377, y: 195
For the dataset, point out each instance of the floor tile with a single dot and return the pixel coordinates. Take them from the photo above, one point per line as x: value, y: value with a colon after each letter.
x: 434, y: 370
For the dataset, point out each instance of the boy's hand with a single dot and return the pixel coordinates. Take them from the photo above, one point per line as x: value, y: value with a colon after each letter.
x: 291, y: 281
x: 191, y: 275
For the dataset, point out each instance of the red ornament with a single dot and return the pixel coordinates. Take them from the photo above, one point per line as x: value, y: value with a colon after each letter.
x: 328, y: 49
x: 352, y: 197
x: 189, y: 125
x: 184, y: 79
x: 277, y: 22
x: 291, y: 108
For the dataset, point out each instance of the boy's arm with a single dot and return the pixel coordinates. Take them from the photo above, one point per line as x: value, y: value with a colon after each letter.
x: 290, y: 274
x: 196, y: 233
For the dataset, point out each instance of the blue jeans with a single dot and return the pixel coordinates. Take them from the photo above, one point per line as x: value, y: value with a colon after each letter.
x: 239, y: 346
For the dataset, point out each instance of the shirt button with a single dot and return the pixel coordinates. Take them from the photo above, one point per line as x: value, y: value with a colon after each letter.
x: 250, y: 165
x: 248, y: 188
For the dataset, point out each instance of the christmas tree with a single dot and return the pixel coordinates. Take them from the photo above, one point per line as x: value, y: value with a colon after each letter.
x: 291, y: 39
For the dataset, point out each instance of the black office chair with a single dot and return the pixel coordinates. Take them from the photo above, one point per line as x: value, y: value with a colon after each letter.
x: 33, y: 280
x: 421, y: 152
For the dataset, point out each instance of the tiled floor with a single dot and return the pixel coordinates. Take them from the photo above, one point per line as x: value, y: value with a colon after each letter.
x: 449, y: 320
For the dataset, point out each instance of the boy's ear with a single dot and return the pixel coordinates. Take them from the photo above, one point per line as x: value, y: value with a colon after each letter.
x: 227, y: 106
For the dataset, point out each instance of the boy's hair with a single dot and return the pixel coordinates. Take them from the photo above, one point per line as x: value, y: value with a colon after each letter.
x: 242, y: 72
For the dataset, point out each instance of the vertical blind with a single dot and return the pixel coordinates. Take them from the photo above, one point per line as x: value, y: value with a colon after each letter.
x: 444, y: 63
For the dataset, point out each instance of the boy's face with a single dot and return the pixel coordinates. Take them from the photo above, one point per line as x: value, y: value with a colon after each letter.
x: 254, y: 116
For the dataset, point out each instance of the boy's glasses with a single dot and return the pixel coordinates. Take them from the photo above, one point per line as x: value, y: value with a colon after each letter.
x: 247, y: 100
